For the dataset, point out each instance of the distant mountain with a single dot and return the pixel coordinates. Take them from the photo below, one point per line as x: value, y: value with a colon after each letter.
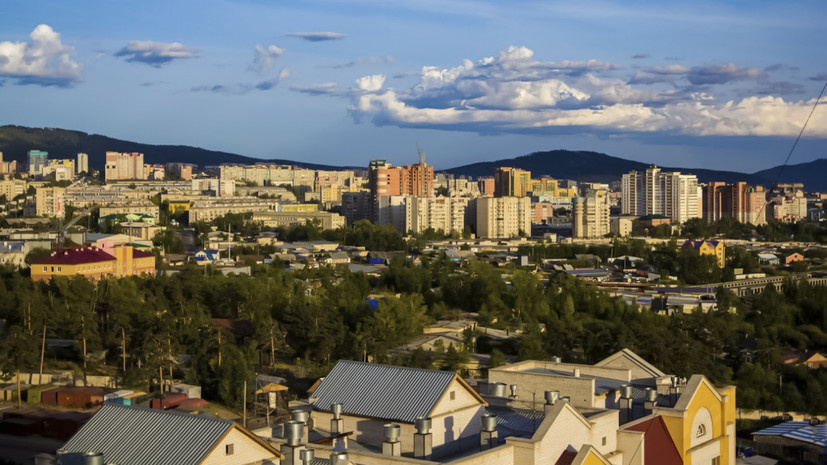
x: 813, y: 174
x: 589, y: 166
x: 16, y: 141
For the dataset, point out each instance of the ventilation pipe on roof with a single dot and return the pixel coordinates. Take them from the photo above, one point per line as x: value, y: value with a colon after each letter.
x: 423, y: 439
x: 93, y: 458
x: 576, y: 372
x: 337, y: 425
x: 391, y: 445
x: 293, y: 431
x: 498, y: 389
x: 488, y: 435
x: 304, y: 417
x: 307, y: 456
x: 565, y: 399
x: 651, y: 400
x: 556, y: 359
x: 551, y: 398
x: 513, y: 391
x: 338, y: 457
x: 625, y: 403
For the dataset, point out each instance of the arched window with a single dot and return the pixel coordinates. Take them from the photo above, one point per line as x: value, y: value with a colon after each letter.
x: 701, y: 431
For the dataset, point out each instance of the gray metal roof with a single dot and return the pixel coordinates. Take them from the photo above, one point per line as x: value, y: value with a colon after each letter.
x: 127, y: 436
x: 382, y: 391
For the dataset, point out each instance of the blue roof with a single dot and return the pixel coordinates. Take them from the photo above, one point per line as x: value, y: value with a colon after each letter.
x: 211, y: 255
x: 799, y: 430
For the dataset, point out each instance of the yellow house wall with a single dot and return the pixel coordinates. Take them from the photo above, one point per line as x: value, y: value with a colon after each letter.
x: 245, y: 451
x: 722, y: 413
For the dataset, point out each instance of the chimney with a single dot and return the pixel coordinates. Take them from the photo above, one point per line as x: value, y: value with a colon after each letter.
x: 337, y: 425
x: 625, y: 403
x: 576, y: 372
x: 513, y: 391
x: 551, y: 398
x: 307, y: 456
x: 488, y: 435
x: 93, y: 458
x: 304, y: 417
x: 651, y: 400
x: 391, y: 445
x: 291, y: 449
x: 338, y: 457
x: 423, y: 439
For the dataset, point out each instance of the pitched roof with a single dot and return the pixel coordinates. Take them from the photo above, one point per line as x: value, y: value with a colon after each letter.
x: 625, y: 358
x: 383, y: 391
x: 658, y: 446
x: 128, y: 435
x: 75, y: 257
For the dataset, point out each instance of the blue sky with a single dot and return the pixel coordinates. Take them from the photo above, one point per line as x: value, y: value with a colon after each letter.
x: 696, y: 84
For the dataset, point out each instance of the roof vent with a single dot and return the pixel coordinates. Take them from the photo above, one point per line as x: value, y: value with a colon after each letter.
x: 293, y: 432
x: 498, y: 389
x: 556, y: 359
x: 93, y: 458
x: 489, y: 422
x: 551, y: 397
x: 307, y: 456
x: 423, y: 425
x: 651, y: 395
x: 339, y: 458
x: 336, y: 409
x: 576, y: 372
x: 513, y: 390
x: 626, y: 391
x: 391, y: 432
x: 299, y: 415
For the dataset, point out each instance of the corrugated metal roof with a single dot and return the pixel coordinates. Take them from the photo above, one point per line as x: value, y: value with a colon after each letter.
x: 517, y: 422
x: 800, y: 430
x: 382, y: 391
x: 127, y: 436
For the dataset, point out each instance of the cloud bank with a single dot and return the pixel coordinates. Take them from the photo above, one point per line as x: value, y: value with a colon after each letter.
x: 154, y: 53
x: 513, y: 92
x: 317, y: 36
x: 43, y: 61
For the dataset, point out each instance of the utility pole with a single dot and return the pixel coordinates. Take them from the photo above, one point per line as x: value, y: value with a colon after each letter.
x: 123, y: 349
x: 244, y: 396
x: 219, y: 348
x: 42, y: 353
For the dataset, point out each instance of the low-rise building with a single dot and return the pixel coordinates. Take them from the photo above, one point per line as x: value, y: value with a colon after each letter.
x: 274, y: 219
x: 94, y: 263
x: 714, y: 248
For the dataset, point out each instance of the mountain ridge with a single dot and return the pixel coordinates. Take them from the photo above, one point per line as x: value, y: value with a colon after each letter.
x: 16, y: 141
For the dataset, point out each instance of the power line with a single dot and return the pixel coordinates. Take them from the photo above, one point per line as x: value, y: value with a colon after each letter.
x: 792, y: 149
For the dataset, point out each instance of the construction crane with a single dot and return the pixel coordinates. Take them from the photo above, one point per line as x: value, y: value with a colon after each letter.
x: 62, y: 228
x: 421, y: 154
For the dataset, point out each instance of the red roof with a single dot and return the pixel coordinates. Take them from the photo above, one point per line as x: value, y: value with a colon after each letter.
x: 658, y: 445
x: 75, y: 257
x: 140, y: 254
x: 566, y: 458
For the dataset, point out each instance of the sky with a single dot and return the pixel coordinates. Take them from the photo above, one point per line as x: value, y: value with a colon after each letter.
x: 697, y: 84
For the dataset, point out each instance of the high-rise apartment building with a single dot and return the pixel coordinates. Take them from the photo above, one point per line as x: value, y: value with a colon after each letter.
x: 787, y: 202
x: 503, y: 217
x: 387, y: 180
x: 738, y: 200
x: 49, y: 201
x: 653, y: 192
x: 486, y: 185
x: 82, y: 164
x: 36, y: 161
x: 511, y: 182
x: 124, y: 166
x: 591, y: 214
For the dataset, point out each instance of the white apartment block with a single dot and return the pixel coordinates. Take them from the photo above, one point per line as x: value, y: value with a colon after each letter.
x: 503, y: 217
x: 393, y: 210
x: 591, y: 214
x: 445, y: 213
x: 82, y: 163
x: 653, y: 192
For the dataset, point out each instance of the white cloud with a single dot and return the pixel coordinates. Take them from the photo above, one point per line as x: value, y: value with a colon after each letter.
x: 370, y: 83
x: 514, y: 92
x: 155, y: 53
x: 264, y: 58
x: 45, y: 60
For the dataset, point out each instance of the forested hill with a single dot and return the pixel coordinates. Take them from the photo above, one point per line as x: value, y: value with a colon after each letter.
x: 591, y: 166
x: 16, y: 141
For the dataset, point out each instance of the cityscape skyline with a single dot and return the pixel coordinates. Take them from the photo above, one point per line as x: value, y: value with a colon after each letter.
x: 327, y: 81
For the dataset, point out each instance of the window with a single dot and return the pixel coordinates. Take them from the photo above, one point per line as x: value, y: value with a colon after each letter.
x: 716, y: 461
x: 228, y: 449
x: 604, y: 440
x: 701, y: 431
x: 58, y: 269
x: 453, y: 395
x: 45, y: 268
